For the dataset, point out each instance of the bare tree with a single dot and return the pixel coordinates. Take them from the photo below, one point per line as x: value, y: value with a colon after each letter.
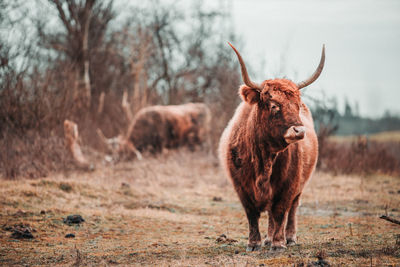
x: 85, y: 23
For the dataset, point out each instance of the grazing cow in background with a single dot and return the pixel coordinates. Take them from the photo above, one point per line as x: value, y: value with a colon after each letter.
x: 157, y: 127
x: 269, y: 150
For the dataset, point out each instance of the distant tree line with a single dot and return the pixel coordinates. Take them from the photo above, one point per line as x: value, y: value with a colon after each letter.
x: 330, y: 121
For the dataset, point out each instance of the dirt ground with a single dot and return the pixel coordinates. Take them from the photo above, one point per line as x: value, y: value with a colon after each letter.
x: 172, y: 209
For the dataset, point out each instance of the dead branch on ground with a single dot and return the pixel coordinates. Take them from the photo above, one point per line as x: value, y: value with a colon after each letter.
x: 387, y: 218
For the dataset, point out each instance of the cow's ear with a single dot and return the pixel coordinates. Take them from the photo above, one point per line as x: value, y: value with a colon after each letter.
x: 248, y: 94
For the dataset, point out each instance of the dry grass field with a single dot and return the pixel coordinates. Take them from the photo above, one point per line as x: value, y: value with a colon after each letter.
x: 171, y: 209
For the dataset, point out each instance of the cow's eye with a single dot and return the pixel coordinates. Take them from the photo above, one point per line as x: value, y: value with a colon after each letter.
x: 274, y: 108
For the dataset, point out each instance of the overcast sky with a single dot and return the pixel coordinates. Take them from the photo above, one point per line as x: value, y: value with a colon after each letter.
x: 362, y: 39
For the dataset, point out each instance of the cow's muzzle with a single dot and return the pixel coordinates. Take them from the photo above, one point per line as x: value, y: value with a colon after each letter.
x: 294, y: 133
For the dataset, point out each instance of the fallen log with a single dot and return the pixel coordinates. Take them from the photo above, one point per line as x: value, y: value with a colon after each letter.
x: 71, y: 142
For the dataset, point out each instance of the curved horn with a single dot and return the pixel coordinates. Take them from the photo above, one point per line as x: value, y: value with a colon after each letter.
x: 316, y: 73
x: 245, y: 75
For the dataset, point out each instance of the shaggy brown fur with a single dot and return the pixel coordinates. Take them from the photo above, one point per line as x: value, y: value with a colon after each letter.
x: 157, y: 127
x: 268, y: 168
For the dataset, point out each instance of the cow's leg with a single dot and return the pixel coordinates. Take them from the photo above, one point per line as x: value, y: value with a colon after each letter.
x: 252, y: 213
x: 254, y: 233
x: 279, y: 215
x: 271, y: 228
x: 291, y: 226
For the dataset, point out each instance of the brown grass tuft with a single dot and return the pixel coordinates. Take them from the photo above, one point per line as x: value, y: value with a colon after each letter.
x: 360, y: 156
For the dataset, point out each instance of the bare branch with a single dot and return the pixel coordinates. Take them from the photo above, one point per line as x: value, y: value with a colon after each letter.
x: 126, y: 106
x: 63, y: 17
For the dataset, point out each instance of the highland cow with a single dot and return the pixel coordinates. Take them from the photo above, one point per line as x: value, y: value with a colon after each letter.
x: 269, y: 150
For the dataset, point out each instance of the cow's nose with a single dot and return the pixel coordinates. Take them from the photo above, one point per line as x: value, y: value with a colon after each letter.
x: 295, y: 133
x: 300, y: 131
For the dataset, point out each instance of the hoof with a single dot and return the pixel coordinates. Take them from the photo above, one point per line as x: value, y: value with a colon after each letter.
x: 251, y: 248
x: 290, y: 242
x: 278, y: 249
x: 267, y: 242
